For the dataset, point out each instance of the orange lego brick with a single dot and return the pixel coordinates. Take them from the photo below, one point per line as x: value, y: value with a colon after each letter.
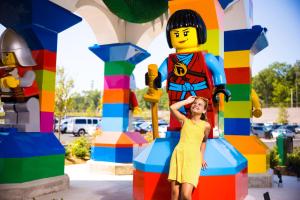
x: 47, y: 101
x: 116, y: 96
x: 210, y: 10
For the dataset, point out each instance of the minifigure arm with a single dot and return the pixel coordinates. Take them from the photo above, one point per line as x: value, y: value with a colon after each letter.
x: 216, y: 70
x: 27, y: 79
x: 218, y: 77
x: 163, y: 70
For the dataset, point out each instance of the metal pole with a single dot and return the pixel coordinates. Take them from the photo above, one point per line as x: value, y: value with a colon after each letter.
x: 296, y: 85
x: 291, y: 98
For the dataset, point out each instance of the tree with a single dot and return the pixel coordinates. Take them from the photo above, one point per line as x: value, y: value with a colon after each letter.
x: 263, y: 84
x: 89, y: 102
x: 282, y: 115
x: 63, y: 101
x: 163, y: 103
x: 273, y: 84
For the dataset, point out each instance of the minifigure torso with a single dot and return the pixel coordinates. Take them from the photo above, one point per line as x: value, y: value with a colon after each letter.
x: 191, y: 78
x: 188, y: 75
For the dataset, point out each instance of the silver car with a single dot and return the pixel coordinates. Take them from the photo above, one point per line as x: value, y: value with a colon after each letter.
x: 284, y: 131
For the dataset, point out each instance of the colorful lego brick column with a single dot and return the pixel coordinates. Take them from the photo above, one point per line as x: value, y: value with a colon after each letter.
x: 116, y: 144
x: 225, y: 163
x: 30, y: 156
x: 242, y: 42
x: 240, y: 45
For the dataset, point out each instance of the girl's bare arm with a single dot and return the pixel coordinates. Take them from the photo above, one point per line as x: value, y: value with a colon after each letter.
x: 203, y: 145
x: 174, y: 108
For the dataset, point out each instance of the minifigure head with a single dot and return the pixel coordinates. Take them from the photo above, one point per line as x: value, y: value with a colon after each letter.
x: 199, y: 107
x: 185, y: 29
x: 14, y: 50
x: 9, y: 59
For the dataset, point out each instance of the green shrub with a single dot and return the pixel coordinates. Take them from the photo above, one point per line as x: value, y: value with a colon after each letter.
x: 80, y: 152
x: 80, y: 147
x: 293, y: 160
x: 274, y: 157
x: 68, y: 151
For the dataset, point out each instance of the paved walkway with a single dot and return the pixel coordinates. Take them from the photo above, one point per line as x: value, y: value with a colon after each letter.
x: 87, y: 186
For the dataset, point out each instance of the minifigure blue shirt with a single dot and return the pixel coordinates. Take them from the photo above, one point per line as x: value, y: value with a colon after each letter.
x: 210, y: 60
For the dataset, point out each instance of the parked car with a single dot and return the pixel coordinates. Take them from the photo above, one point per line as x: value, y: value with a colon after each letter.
x: 147, y: 127
x: 96, y: 129
x: 291, y: 127
x: 64, y: 126
x: 82, y: 125
x: 271, y: 127
x: 284, y: 131
x: 260, y: 131
x: 297, y: 130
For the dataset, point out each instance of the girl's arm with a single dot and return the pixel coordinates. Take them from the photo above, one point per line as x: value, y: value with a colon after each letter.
x: 174, y: 108
x: 203, y: 145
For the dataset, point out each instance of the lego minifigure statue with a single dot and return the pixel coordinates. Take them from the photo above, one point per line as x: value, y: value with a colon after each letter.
x: 133, y: 103
x: 190, y: 71
x: 19, y: 89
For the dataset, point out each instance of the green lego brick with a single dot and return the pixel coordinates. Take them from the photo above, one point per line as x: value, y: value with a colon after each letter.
x: 118, y: 68
x: 45, y: 80
x: 19, y: 170
x: 237, y: 109
x: 239, y: 92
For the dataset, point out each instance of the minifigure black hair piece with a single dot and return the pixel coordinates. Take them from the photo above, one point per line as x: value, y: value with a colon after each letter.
x: 186, y: 18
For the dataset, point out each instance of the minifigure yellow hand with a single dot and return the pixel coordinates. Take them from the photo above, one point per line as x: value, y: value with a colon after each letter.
x: 10, y: 82
x: 136, y: 111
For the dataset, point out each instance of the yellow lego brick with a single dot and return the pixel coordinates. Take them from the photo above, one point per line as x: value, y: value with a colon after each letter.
x: 237, y: 59
x: 257, y: 163
x: 253, y: 149
x: 47, y: 101
x: 214, y: 43
x: 237, y: 109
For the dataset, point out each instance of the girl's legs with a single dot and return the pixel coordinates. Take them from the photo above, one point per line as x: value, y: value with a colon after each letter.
x: 186, y: 191
x: 175, y: 187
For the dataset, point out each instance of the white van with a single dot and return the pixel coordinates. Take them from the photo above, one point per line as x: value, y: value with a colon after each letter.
x: 82, y: 125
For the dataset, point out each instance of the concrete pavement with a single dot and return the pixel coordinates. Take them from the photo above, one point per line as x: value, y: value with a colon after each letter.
x: 85, y: 185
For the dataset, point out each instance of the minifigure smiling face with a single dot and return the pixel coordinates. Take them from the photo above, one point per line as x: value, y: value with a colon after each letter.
x: 9, y: 59
x: 183, y: 38
x: 185, y: 31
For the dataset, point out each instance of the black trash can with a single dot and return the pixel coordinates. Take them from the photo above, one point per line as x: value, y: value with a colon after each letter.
x: 289, y: 144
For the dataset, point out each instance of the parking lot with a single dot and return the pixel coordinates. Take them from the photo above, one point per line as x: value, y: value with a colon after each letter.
x: 69, y: 137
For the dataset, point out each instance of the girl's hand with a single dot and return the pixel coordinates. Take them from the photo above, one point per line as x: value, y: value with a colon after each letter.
x: 204, y: 165
x: 190, y: 99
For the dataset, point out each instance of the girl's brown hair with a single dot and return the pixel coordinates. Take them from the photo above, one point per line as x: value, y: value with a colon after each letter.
x: 203, y: 115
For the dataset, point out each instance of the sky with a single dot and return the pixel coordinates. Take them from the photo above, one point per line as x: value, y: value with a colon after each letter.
x: 280, y: 17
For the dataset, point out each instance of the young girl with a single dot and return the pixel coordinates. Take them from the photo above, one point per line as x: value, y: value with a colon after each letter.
x: 187, y: 157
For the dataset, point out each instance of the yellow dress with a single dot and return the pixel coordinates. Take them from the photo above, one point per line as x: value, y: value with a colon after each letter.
x: 186, y: 160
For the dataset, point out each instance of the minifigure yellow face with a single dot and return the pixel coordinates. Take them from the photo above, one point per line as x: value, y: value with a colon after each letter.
x: 9, y: 59
x: 184, y: 38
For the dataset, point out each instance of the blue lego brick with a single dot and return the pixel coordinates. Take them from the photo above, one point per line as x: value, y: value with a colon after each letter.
x: 42, y: 13
x: 225, y: 3
x: 114, y: 124
x: 35, y: 20
x: 221, y: 156
x: 112, y: 154
x: 237, y: 126
x: 39, y: 38
x: 20, y: 144
x: 115, y: 110
x: 246, y: 39
x: 120, y: 52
